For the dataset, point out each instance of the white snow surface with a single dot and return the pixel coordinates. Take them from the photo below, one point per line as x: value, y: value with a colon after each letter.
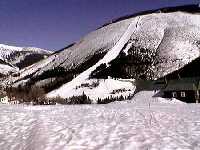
x: 118, y: 126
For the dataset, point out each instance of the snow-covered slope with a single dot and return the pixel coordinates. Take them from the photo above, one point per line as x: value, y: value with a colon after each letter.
x: 94, y: 43
x: 111, y: 55
x: 161, y: 43
x: 98, y: 88
x: 22, y: 56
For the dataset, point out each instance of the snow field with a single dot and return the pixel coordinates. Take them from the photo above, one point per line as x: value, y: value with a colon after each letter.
x: 122, y: 126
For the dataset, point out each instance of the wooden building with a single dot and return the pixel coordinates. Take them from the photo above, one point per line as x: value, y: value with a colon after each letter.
x: 185, y: 89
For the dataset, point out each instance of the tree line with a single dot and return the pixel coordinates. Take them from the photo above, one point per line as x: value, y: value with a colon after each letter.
x: 36, y: 96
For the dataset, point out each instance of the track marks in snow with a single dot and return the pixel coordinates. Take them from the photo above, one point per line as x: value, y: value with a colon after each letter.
x: 100, y: 127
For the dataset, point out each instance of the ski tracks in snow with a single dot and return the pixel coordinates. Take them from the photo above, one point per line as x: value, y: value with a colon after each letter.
x: 100, y: 127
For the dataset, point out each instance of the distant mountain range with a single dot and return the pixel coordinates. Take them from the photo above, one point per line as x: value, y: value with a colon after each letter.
x: 14, y: 58
x: 147, y: 45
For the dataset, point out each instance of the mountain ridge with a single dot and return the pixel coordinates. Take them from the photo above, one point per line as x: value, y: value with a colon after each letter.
x: 19, y: 57
x: 192, y: 8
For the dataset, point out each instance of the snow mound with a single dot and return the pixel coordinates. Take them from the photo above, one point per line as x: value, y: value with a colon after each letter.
x: 148, y: 97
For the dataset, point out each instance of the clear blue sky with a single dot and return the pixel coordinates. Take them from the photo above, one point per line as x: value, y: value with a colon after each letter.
x: 53, y: 24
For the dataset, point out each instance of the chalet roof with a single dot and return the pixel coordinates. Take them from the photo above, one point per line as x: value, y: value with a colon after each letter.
x: 184, y: 84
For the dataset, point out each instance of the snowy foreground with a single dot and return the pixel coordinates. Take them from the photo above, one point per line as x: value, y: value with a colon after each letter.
x: 116, y: 126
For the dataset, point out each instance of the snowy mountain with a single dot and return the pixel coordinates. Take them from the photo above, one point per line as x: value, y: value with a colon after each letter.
x: 21, y: 57
x: 148, y: 45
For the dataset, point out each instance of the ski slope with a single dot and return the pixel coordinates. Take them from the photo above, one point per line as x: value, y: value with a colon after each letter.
x: 118, y: 126
x: 111, y: 55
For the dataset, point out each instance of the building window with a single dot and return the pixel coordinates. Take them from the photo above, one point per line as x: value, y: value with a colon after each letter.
x: 174, y: 94
x: 182, y: 94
